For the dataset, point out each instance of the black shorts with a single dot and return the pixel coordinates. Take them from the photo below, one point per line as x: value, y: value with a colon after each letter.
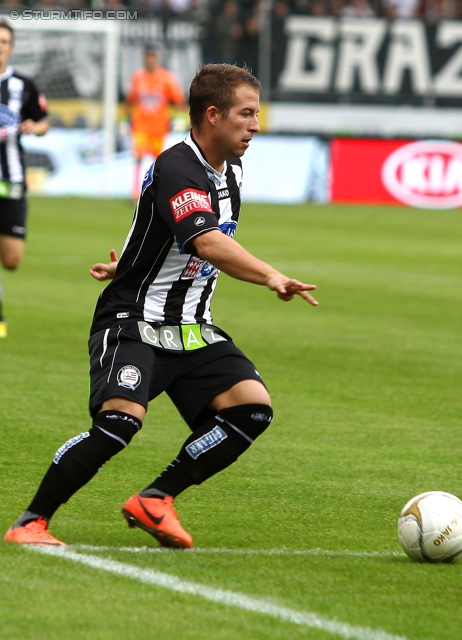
x: 121, y: 366
x: 13, y: 214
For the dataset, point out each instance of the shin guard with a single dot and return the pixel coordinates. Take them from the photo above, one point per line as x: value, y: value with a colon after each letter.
x: 213, y: 447
x: 81, y: 457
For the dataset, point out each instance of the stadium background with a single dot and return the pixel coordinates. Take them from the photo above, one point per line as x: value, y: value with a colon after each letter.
x: 331, y: 71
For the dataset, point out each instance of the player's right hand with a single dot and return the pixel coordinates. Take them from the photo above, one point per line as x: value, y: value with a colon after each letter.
x: 103, y: 271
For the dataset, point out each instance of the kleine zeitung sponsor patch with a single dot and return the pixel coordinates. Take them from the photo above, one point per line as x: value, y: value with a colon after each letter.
x: 189, y: 201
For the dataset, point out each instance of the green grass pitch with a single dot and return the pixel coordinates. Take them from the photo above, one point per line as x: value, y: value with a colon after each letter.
x: 366, y: 393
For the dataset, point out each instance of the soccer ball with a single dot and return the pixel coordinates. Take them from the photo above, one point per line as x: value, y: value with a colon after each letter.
x: 430, y: 527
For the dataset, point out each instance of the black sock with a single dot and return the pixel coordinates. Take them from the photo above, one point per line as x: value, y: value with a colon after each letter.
x: 212, y: 447
x: 80, y: 458
x: 54, y: 490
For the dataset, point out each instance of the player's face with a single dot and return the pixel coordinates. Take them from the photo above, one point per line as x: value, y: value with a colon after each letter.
x: 151, y: 61
x: 6, y: 47
x: 235, y: 130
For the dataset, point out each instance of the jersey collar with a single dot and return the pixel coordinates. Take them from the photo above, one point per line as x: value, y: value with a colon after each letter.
x: 198, y: 151
x: 7, y: 73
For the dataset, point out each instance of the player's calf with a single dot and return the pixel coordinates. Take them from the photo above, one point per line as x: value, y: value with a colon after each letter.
x: 74, y: 464
x: 81, y: 457
x: 213, y: 447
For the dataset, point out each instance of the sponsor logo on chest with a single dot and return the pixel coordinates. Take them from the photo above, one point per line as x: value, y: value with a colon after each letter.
x: 192, y: 269
x: 223, y: 193
x: 189, y: 201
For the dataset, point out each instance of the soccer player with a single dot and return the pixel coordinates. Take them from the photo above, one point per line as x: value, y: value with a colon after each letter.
x: 152, y: 90
x: 152, y: 329
x: 22, y: 110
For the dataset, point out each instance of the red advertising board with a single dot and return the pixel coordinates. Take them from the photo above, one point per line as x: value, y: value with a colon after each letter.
x: 425, y: 173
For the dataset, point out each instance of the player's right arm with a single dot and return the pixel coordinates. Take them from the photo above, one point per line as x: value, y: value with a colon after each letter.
x: 105, y: 271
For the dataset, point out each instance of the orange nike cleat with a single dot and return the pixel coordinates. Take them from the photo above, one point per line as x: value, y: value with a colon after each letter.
x: 34, y: 532
x: 158, y: 517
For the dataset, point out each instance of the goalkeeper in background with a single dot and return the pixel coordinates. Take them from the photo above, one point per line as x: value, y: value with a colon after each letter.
x: 152, y: 90
x: 22, y: 110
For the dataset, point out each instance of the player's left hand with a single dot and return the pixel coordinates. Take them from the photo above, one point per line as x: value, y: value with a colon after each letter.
x: 27, y: 126
x: 288, y: 288
x: 103, y: 271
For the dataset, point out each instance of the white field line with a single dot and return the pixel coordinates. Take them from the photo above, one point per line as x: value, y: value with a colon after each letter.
x: 249, y: 552
x: 221, y: 596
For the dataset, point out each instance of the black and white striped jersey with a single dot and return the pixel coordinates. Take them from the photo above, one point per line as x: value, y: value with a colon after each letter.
x: 19, y: 101
x: 159, y: 278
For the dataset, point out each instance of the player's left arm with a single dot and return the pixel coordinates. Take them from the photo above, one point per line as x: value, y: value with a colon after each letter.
x: 34, y: 115
x: 36, y: 128
x: 230, y: 257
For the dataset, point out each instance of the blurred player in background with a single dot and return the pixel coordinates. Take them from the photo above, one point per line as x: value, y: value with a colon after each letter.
x: 22, y: 110
x: 152, y: 329
x: 152, y: 90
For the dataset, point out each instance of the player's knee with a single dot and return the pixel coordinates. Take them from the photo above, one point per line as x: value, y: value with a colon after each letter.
x: 11, y: 262
x: 81, y: 457
x: 117, y: 425
x: 247, y: 420
x: 11, y: 252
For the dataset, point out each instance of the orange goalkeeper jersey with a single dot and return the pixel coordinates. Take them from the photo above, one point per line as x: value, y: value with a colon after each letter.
x: 150, y: 95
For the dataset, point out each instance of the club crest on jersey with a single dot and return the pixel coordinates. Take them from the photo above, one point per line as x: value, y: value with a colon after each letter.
x: 207, y: 271
x: 189, y: 201
x: 129, y: 377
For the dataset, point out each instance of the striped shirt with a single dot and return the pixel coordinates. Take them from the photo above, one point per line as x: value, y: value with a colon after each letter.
x: 19, y: 101
x: 159, y: 277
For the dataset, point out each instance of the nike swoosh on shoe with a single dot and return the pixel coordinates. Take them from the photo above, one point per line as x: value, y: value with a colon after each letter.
x: 150, y: 516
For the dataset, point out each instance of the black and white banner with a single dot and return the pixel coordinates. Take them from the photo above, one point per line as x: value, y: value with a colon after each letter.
x: 365, y: 61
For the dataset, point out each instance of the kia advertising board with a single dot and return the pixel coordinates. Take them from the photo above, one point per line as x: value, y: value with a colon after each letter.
x: 425, y: 173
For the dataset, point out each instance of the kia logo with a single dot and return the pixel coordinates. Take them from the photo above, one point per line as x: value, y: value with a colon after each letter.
x: 425, y: 174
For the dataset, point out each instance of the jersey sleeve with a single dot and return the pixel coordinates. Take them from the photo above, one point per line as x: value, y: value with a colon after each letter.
x: 34, y: 106
x: 183, y: 201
